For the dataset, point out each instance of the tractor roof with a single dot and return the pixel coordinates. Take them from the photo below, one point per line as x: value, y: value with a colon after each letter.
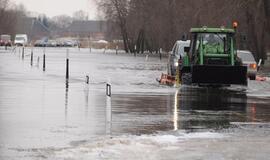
x: 212, y: 30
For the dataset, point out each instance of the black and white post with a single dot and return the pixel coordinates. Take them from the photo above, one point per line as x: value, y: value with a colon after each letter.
x: 67, y: 64
x: 108, y: 109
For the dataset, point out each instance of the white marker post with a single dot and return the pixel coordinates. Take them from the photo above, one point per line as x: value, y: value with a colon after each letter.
x: 146, y: 58
x: 108, y: 109
x: 160, y: 52
x: 38, y: 61
x: 135, y: 50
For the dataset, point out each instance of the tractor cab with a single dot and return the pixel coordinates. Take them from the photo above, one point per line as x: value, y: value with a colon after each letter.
x: 212, y: 58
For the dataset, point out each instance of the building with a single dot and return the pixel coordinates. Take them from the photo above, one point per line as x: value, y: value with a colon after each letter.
x: 94, y: 29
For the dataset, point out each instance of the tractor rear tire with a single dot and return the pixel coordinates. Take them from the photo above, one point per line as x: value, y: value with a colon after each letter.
x: 186, y: 78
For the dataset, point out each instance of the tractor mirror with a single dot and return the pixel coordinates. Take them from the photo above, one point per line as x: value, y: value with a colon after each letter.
x: 186, y: 49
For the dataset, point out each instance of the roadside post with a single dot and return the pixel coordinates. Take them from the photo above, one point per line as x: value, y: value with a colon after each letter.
x: 160, y: 51
x: 89, y: 46
x: 67, y: 64
x: 38, y: 61
x: 116, y: 50
x: 108, y: 109
x: 146, y: 57
x: 31, y: 59
x: 23, y: 53
x: 105, y: 49
x: 135, y: 50
x: 87, y: 79
x: 44, y: 60
x: 259, y: 64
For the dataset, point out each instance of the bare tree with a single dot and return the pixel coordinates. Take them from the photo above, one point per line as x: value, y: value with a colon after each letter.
x: 151, y: 24
x: 62, y: 21
x: 80, y: 15
x: 9, y: 17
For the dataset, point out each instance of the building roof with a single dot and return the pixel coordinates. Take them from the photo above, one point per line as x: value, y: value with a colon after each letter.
x: 87, y: 26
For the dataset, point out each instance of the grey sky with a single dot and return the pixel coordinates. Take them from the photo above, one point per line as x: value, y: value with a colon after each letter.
x: 57, y: 7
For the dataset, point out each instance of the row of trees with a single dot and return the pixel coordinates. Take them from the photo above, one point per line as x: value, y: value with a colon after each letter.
x: 9, y: 14
x: 154, y: 24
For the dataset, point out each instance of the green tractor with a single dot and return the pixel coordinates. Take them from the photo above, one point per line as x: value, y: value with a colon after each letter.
x: 211, y: 59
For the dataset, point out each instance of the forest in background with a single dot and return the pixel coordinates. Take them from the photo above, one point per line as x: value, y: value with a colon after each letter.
x: 153, y: 24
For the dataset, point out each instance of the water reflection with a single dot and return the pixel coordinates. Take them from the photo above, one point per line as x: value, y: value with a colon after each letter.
x: 188, y: 108
x: 210, y: 108
x: 66, y: 99
x: 211, y: 99
x: 86, y: 94
x: 175, y: 115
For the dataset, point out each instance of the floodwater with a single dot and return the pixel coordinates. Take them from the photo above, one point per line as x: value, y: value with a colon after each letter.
x: 43, y: 116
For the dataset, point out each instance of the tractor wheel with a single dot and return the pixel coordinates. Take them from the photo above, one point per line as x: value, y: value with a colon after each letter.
x: 186, y: 78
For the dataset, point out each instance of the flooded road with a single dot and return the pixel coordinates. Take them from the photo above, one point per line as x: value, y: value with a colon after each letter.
x: 43, y: 116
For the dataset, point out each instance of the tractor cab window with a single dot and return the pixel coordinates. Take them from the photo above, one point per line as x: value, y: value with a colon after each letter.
x: 210, y: 44
x: 214, y: 43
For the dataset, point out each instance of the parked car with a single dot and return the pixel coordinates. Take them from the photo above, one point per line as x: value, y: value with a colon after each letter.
x: 175, y: 54
x: 5, y: 40
x: 70, y: 43
x: 42, y: 42
x: 21, y: 40
x: 52, y: 43
x: 59, y: 43
x: 248, y: 60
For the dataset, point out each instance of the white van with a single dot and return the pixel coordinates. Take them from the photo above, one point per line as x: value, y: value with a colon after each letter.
x: 21, y: 40
x: 175, y: 54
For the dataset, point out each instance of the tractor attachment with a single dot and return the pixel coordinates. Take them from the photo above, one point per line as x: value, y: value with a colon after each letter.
x: 219, y: 75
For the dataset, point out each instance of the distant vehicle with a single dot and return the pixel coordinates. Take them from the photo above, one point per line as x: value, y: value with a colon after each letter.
x: 52, y: 43
x: 102, y: 42
x: 248, y: 60
x: 5, y: 40
x: 175, y: 54
x: 59, y: 43
x: 21, y: 40
x: 70, y: 43
x: 42, y: 42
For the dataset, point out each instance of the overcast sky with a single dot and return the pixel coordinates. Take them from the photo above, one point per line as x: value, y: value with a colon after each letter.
x: 57, y: 7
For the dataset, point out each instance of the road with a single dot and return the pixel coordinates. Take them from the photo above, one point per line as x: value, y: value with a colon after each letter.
x: 43, y: 116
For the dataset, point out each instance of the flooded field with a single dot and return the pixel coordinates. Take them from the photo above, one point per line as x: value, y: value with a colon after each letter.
x: 43, y: 116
